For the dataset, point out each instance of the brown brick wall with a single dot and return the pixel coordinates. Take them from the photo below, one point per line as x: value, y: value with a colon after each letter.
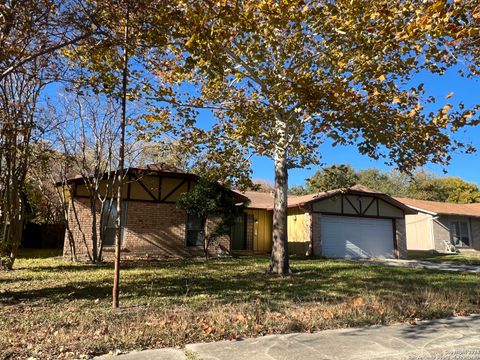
x: 401, y: 235
x: 441, y: 233
x: 475, y: 230
x: 152, y: 230
x: 81, y: 226
x: 316, y: 234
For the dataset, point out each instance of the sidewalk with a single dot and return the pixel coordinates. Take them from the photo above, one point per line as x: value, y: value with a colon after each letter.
x: 453, y: 338
x: 421, y: 264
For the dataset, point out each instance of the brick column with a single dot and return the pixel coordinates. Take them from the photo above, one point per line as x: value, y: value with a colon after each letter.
x: 316, y: 234
x: 401, y: 236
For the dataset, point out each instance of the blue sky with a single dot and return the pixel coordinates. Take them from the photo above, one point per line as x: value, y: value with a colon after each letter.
x: 462, y: 165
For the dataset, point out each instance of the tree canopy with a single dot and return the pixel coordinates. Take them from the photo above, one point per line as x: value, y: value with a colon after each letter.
x: 281, y: 77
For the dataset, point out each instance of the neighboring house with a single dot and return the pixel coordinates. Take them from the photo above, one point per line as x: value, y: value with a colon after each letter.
x: 154, y: 225
x: 346, y: 223
x: 442, y: 227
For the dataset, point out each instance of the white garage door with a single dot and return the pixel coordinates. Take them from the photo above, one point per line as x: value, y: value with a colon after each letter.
x: 355, y: 237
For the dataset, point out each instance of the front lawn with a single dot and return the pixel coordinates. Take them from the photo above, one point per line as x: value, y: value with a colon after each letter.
x: 463, y: 258
x: 50, y: 308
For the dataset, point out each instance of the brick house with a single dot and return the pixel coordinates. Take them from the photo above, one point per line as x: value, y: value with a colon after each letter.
x: 442, y: 227
x: 154, y: 227
x: 344, y: 223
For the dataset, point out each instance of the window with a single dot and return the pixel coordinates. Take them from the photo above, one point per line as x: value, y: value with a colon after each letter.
x: 459, y: 233
x: 109, y: 218
x: 194, y: 233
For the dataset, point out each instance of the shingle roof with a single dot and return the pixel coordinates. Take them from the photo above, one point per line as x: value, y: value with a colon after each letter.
x: 149, y: 169
x: 438, y: 207
x: 300, y: 200
x: 259, y: 200
x: 262, y: 200
x: 163, y: 167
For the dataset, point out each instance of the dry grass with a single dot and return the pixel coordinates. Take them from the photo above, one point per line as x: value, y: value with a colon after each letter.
x: 50, y: 308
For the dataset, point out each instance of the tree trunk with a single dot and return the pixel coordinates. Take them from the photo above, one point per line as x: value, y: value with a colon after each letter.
x: 121, y: 175
x: 206, y: 239
x: 79, y: 226
x: 279, y: 259
x: 94, y: 238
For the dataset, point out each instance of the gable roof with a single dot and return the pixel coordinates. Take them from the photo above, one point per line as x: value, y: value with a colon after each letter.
x: 261, y: 200
x: 155, y: 169
x: 144, y: 170
x: 443, y: 208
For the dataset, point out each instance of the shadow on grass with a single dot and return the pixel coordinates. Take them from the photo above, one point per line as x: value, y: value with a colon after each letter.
x: 239, y: 280
x: 39, y: 253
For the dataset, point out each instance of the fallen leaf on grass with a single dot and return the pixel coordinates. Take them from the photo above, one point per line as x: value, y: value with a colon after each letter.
x: 240, y: 317
x: 359, y: 301
x: 207, y: 329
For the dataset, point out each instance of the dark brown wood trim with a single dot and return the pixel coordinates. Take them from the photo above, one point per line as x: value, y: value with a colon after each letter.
x: 129, y: 187
x: 134, y: 200
x: 368, y: 206
x: 174, y: 190
x: 395, y: 242
x: 245, y: 224
x: 353, y: 206
x: 142, y: 172
x: 147, y: 190
x: 159, y: 187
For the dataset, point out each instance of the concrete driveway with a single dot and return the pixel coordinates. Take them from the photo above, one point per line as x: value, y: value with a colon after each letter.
x: 420, y: 264
x: 448, y: 339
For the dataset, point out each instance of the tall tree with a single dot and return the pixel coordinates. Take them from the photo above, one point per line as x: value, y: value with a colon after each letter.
x: 427, y: 186
x: 391, y: 183
x: 31, y: 29
x: 115, y: 62
x: 332, y: 177
x: 87, y: 135
x: 19, y: 92
x: 281, y: 77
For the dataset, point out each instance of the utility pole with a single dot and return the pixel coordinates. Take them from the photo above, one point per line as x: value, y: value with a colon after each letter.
x: 121, y: 165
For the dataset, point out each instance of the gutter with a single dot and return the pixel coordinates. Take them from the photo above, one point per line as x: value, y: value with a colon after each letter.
x: 423, y: 210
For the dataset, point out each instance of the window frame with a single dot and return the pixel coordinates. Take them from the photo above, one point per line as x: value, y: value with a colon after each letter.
x: 459, y: 232
x: 198, y: 229
x: 124, y: 215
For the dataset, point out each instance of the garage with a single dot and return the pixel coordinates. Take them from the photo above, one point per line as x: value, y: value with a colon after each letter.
x: 357, y: 237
